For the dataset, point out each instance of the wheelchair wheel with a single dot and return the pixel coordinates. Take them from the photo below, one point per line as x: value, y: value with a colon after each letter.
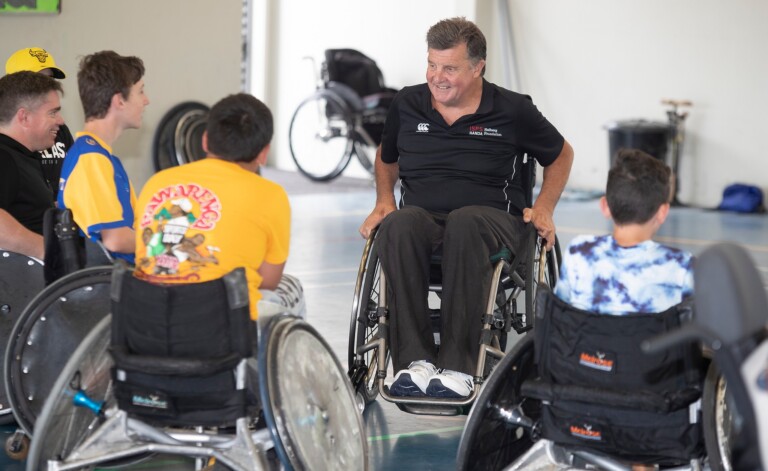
x: 718, y: 421
x: 535, y: 273
x: 178, y: 139
x: 490, y: 440
x: 22, y: 278
x: 308, y: 403
x: 364, y: 326
x: 321, y: 136
x: 46, y: 334
x: 62, y: 426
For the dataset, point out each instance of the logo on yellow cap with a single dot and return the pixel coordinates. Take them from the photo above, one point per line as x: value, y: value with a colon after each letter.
x: 39, y: 54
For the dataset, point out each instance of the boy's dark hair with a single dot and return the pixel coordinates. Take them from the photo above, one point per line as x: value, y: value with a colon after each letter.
x: 638, y: 184
x: 103, y: 74
x: 239, y: 127
x: 24, y: 90
x: 451, y: 32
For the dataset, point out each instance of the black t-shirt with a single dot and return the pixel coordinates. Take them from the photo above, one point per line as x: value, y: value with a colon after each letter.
x: 24, y: 191
x: 475, y: 161
x: 53, y: 158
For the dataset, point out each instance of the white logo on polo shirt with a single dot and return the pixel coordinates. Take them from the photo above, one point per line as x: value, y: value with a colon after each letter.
x: 422, y: 127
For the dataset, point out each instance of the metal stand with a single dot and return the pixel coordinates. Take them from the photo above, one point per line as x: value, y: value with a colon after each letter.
x: 677, y: 136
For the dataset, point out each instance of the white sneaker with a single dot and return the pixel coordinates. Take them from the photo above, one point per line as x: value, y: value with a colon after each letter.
x: 451, y: 384
x: 413, y: 380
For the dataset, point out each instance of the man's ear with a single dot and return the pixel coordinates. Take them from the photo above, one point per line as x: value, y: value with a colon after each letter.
x: 604, y: 208
x: 117, y: 100
x: 205, y: 142
x: 22, y: 116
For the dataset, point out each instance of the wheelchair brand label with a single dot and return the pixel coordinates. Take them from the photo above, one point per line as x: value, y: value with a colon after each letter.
x: 601, y: 361
x: 153, y: 401
x: 587, y: 432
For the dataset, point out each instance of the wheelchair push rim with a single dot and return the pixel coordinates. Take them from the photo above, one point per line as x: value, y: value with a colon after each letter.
x: 47, y: 333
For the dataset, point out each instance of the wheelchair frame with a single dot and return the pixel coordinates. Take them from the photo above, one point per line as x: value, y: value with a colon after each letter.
x: 337, y: 111
x: 368, y: 353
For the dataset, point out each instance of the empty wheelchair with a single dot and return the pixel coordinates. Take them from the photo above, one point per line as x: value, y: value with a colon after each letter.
x: 510, y: 306
x: 344, y: 117
x: 580, y: 392
x: 177, y: 370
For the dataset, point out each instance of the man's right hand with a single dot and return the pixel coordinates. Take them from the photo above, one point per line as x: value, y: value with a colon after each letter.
x: 374, y: 219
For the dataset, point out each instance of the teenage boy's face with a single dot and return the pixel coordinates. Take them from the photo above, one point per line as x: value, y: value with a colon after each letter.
x: 135, y: 105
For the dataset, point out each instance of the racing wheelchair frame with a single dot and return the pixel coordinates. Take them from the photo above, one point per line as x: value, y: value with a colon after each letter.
x: 344, y: 117
x: 513, y: 277
x: 148, y: 379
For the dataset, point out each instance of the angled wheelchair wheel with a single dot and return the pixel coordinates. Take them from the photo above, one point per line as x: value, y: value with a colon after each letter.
x: 500, y: 426
x: 308, y: 402
x: 363, y: 325
x: 321, y: 136
x: 45, y: 335
x: 21, y: 278
x: 538, y: 270
x: 178, y: 138
x: 63, y: 426
x: 719, y: 421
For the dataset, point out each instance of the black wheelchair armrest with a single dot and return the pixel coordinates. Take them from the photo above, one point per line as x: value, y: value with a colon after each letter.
x: 172, y: 366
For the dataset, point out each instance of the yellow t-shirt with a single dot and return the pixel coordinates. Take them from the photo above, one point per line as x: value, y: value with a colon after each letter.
x: 199, y: 221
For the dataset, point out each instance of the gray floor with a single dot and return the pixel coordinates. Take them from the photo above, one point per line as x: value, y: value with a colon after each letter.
x: 325, y: 254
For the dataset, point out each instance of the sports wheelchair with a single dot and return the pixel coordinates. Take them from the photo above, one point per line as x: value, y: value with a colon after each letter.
x: 344, y: 117
x: 581, y: 392
x: 511, y: 303
x: 177, y: 370
x: 48, y: 328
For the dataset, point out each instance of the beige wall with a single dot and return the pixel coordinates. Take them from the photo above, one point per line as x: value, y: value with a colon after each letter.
x: 191, y: 50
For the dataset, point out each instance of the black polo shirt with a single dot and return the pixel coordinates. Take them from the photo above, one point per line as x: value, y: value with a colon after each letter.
x: 24, y: 191
x: 476, y: 160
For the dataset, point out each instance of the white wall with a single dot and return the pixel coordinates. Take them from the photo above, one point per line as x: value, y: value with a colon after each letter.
x: 191, y: 50
x: 588, y: 62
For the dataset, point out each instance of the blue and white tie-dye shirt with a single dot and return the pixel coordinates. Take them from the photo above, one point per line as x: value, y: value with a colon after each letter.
x: 599, y: 275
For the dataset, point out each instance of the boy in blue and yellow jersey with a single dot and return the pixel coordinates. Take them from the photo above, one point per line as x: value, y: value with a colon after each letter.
x: 94, y: 184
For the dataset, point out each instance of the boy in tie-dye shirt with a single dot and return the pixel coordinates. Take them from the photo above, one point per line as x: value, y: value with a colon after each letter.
x: 627, y: 272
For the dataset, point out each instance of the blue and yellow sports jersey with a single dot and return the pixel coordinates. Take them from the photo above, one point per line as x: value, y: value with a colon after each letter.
x: 95, y: 186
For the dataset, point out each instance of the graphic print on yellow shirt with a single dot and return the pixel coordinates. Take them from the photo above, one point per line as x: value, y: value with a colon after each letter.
x: 173, y: 230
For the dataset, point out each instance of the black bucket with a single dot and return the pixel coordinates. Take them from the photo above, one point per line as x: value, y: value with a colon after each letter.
x: 648, y: 136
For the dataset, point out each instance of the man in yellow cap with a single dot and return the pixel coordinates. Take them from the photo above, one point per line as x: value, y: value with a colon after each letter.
x: 35, y: 59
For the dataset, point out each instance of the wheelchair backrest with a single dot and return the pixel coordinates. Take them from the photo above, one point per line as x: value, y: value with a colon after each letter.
x: 199, y: 320
x: 354, y: 69
x: 576, y: 347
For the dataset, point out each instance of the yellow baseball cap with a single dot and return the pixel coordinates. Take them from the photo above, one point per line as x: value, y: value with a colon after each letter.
x: 33, y: 59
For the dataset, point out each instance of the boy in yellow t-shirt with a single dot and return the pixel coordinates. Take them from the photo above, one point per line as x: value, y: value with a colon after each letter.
x: 199, y: 221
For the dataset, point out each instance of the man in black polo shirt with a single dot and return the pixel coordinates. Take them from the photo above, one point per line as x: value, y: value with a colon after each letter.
x: 29, y: 121
x: 456, y: 143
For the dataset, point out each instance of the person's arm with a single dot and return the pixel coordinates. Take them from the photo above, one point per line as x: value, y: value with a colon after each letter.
x: 17, y: 238
x: 555, y: 178
x: 119, y: 239
x: 386, y: 177
x: 270, y: 275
